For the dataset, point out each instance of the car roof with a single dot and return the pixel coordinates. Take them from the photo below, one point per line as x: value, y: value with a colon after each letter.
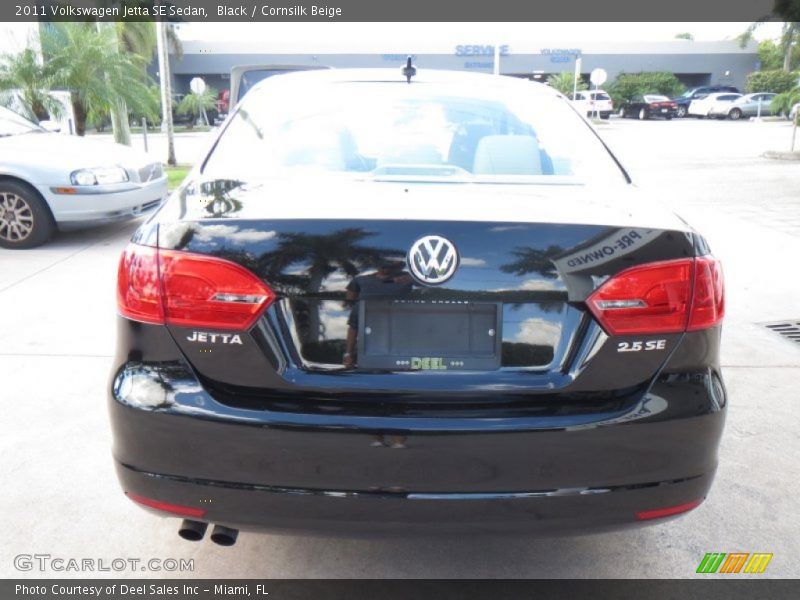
x: 395, y: 76
x: 722, y: 88
x: 718, y: 94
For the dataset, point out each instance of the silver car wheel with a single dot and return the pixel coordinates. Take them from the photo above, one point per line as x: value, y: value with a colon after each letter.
x: 16, y: 217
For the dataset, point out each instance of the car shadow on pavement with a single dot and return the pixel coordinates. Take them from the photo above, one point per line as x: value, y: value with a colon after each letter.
x: 600, y: 555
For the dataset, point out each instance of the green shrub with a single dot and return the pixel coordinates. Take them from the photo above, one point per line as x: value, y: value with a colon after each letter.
x: 776, y: 81
x: 782, y: 103
x: 564, y: 82
x: 628, y: 85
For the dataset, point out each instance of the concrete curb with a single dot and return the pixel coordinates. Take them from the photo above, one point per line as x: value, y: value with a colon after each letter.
x: 777, y: 155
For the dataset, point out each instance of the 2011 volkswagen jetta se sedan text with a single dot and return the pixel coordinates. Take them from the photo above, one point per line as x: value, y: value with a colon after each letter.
x: 387, y: 303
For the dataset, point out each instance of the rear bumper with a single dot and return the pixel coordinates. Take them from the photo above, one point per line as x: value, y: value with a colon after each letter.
x: 338, y: 513
x: 333, y: 472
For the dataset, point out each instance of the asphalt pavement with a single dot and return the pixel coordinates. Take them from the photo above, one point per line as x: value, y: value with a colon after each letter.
x: 61, y: 498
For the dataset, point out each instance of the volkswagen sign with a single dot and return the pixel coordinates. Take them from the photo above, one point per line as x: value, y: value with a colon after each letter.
x: 433, y: 260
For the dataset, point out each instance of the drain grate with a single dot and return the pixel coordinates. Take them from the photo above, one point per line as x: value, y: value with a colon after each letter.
x: 788, y: 329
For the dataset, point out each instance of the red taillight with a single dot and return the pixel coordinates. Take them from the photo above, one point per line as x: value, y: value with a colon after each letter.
x: 661, y: 297
x: 190, y: 290
x: 652, y: 298
x: 668, y: 511
x: 177, y: 509
x: 204, y: 291
x: 138, y: 286
x: 708, y: 303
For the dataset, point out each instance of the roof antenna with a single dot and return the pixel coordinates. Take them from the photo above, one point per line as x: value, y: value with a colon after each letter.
x: 409, y: 70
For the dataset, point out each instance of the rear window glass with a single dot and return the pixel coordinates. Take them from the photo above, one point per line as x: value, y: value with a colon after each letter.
x: 252, y: 77
x: 395, y: 130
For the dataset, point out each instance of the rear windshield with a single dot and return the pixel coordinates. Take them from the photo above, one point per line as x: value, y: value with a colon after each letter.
x: 399, y: 131
x: 600, y: 96
x: 252, y: 77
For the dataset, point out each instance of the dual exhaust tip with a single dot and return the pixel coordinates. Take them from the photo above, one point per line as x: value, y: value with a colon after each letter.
x: 194, y: 531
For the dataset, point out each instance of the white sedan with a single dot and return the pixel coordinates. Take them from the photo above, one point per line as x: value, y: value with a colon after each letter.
x: 713, y: 104
x: 50, y: 181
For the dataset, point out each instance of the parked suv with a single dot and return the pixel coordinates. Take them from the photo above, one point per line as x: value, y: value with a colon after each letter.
x: 594, y: 102
x: 684, y: 100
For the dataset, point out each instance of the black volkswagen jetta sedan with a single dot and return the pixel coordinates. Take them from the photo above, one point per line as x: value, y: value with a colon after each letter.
x: 384, y: 304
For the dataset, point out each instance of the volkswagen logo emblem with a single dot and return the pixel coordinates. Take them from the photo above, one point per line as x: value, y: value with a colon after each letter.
x: 433, y: 260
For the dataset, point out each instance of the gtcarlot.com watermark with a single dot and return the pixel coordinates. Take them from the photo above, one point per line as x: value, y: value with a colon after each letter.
x: 59, y: 564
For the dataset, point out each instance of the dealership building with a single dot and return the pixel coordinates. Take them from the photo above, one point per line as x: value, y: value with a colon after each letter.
x: 693, y: 62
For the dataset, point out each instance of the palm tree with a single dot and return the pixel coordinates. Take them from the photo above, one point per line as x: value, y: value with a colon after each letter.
x: 140, y: 38
x: 782, y: 103
x: 85, y: 61
x: 532, y: 260
x: 564, y: 82
x: 787, y: 11
x: 32, y: 81
x: 197, y: 104
x: 137, y: 37
x: 165, y: 86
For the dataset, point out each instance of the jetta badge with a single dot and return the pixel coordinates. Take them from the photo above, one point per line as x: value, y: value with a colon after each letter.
x: 433, y: 260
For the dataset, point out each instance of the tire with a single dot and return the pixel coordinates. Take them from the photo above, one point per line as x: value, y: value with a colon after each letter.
x: 735, y: 114
x: 643, y: 114
x: 680, y: 112
x: 606, y: 115
x: 669, y: 117
x: 25, y: 219
x: 622, y: 113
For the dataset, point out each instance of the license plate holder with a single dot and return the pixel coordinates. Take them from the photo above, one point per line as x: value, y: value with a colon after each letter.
x: 421, y: 335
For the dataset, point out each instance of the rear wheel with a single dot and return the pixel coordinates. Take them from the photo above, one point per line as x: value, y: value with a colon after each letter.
x: 680, y: 112
x: 642, y: 114
x: 735, y: 114
x: 25, y: 220
x: 622, y: 113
